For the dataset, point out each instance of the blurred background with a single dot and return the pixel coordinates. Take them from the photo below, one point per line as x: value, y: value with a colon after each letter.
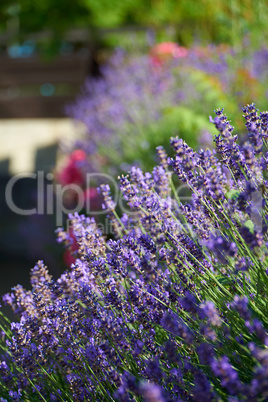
x: 217, y: 57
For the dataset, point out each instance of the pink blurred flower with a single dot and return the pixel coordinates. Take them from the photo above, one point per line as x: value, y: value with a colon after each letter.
x: 92, y: 199
x: 71, y: 172
x: 78, y: 155
x: 165, y: 51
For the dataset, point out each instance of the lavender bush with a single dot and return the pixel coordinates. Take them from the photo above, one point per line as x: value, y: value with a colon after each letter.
x: 174, y: 308
x: 132, y: 108
x: 136, y: 105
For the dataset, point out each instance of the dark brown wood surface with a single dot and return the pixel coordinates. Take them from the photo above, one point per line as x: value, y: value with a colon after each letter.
x: 33, y: 70
x: 21, y: 81
x: 34, y: 107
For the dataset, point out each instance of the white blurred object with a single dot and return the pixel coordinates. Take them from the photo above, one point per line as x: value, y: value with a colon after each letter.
x: 20, y: 139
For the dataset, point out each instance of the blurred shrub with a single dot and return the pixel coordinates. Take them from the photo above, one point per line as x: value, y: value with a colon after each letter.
x: 131, y: 109
x: 203, y: 20
x: 137, y: 104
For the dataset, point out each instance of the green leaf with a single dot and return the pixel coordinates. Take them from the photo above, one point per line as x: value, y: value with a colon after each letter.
x: 224, y: 280
x: 232, y: 194
x: 250, y: 225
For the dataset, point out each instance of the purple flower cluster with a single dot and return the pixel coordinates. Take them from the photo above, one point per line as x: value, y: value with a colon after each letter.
x: 174, y: 307
x: 118, y: 107
x: 134, y: 106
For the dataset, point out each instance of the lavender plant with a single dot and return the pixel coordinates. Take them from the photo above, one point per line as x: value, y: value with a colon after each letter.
x: 131, y: 109
x: 136, y: 105
x: 174, y: 308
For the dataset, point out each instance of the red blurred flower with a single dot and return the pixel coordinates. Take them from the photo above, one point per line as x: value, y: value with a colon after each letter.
x: 165, y: 51
x: 71, y: 172
x: 78, y: 155
x: 92, y: 199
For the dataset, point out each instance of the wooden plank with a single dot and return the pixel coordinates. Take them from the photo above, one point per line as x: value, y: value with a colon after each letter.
x: 38, y: 77
x: 7, y: 63
x: 29, y: 107
x: 35, y: 71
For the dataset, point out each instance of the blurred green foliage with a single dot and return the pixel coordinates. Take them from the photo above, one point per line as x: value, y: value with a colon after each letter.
x: 140, y: 148
x: 206, y: 79
x: 192, y: 20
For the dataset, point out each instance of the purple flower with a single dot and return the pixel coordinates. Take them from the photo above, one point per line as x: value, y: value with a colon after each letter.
x: 211, y: 313
x: 222, y: 248
x: 227, y: 375
x: 158, y: 310
x: 240, y: 304
x: 173, y: 324
x: 151, y: 392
